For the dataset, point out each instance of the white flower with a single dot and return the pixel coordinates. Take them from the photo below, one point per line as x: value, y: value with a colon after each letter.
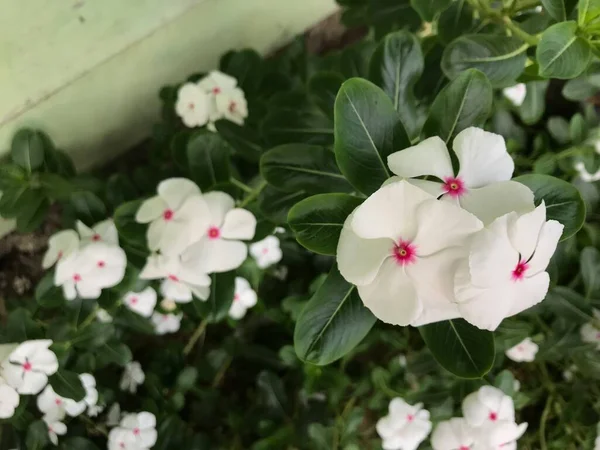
x: 168, y: 305
x: 178, y: 216
x: 266, y: 252
x: 217, y: 82
x: 113, y: 417
x: 221, y: 248
x: 86, y: 272
x: 55, y: 428
x: 501, y: 436
x: 60, y: 245
x: 482, y: 184
x: 579, y: 166
x: 166, y: 323
x: 597, y: 443
x: 453, y: 434
x: 243, y: 299
x: 590, y: 333
x: 53, y: 405
x: 193, y: 105
x: 516, y: 385
x: 28, y: 366
x: 142, y: 303
x: 402, y: 360
x: 488, y: 405
x: 104, y: 231
x: 9, y: 400
x: 103, y: 316
x: 91, y: 393
x: 94, y: 410
x: 136, y: 431
x: 181, y: 277
x: 569, y: 373
x: 524, y: 351
x: 399, y: 248
x: 505, y: 272
x: 133, y: 376
x: 405, y: 426
x: 232, y: 105
x: 516, y: 94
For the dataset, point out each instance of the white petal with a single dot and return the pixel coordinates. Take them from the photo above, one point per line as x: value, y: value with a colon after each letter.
x: 524, y: 351
x: 482, y: 157
x: 219, y: 204
x: 239, y: 224
x: 60, y: 245
x: 174, y: 191
x: 546, y: 246
x: 219, y: 255
x: 237, y: 310
x: 429, y: 157
x: 242, y: 285
x: 108, y: 232
x: 475, y: 412
x: 452, y: 435
x: 497, y: 402
x: 175, y: 290
x: 528, y: 292
x: 516, y: 94
x: 431, y: 187
x: 9, y: 400
x: 150, y: 210
x: 524, y: 231
x: 146, y: 420
x: 142, y: 303
x: 156, y: 267
x: 88, y: 289
x: 200, y: 292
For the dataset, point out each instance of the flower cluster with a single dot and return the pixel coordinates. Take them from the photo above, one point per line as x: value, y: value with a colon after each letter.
x: 590, y: 332
x: 470, y: 245
x: 214, y: 97
x: 405, y: 426
x: 134, y: 432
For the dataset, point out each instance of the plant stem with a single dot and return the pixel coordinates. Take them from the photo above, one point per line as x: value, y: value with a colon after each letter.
x: 517, y: 31
x: 221, y: 373
x: 485, y: 11
x: 90, y: 318
x: 254, y: 194
x: 194, y: 339
x: 244, y: 187
x: 545, y: 414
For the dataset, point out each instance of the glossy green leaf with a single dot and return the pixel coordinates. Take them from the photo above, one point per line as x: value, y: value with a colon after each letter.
x: 88, y: 207
x: 558, y: 128
x: 58, y: 162
x: 460, y: 348
x: 77, y: 443
x: 129, y: 230
x: 113, y: 353
x: 396, y: 66
x: 568, y: 304
x: 579, y: 89
x: 317, y: 221
x: 367, y: 130
x: 67, y: 384
x: 32, y: 210
x: 216, y: 307
x: 532, y: 109
x: 587, y: 11
x: 563, y: 201
x: 429, y: 9
x: 323, y: 88
x: 244, y: 140
x: 27, y: 149
x: 559, y: 10
x: 455, y: 21
x: 275, y: 204
x: 306, y: 124
x: 465, y: 102
x: 208, y: 159
x: 272, y: 393
x: 47, y: 294
x: 332, y: 323
x: 94, y: 335
x: 37, y: 436
x: 295, y: 167
x: 562, y: 53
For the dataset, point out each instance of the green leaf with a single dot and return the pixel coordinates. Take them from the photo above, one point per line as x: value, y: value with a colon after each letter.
x: 246, y: 66
x: 455, y: 21
x: 275, y: 204
x: 587, y: 10
x: 569, y: 305
x: 460, y: 348
x: 577, y: 129
x: 47, y: 294
x: 27, y: 149
x: 88, y: 207
x: 323, y: 88
x: 55, y: 186
x: 295, y: 167
x: 129, y: 230
x: 215, y: 308
x: 272, y: 393
x: 33, y: 208
x: 208, y: 159
x: 396, y: 66
x: 244, y: 140
x: 563, y: 201
x: 500, y: 58
x: 120, y: 189
x: 561, y: 53
x: 67, y: 384
x: 187, y: 378
x: 579, y: 89
x: 114, y: 353
x: 465, y: 102
x: 428, y: 9
x: 559, y: 10
x: 305, y: 124
x: 532, y: 109
x: 367, y: 130
x: 20, y: 326
x: 332, y: 323
x: 77, y: 443
x: 590, y: 271
x: 558, y: 128
x: 93, y: 336
x: 58, y: 162
x: 37, y: 436
x: 505, y: 381
x: 318, y: 220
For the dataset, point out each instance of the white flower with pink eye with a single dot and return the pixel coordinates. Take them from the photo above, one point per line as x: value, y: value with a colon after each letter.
x: 178, y: 216
x: 481, y: 185
x: 405, y: 426
x: 166, y: 323
x: 9, y: 400
x: 516, y: 94
x: 86, y: 272
x: 28, y: 366
x: 399, y: 248
x: 53, y: 405
x: 142, y: 303
x: 193, y: 105
x: 55, y: 428
x: 244, y: 298
x: 104, y: 231
x: 266, y: 252
x: 590, y: 333
x: 133, y: 376
x: 60, y: 245
x: 216, y: 83
x: 453, y: 434
x: 232, y: 105
x: 136, y: 431
x: 501, y: 436
x: 221, y: 248
x: 524, y: 351
x: 488, y: 405
x: 505, y: 271
x: 182, y: 278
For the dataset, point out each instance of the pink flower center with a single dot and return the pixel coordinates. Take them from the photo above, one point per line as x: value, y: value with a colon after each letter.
x: 410, y: 417
x: 50, y: 430
x: 493, y: 416
x: 168, y: 214
x: 454, y: 187
x: 232, y: 107
x: 96, y: 237
x: 264, y: 251
x: 191, y: 106
x: 214, y: 233
x: 463, y: 447
x: 60, y: 255
x: 27, y: 366
x: 134, y: 300
x: 101, y: 264
x: 58, y: 402
x: 520, y: 348
x: 136, y: 431
x: 216, y: 90
x: 122, y: 444
x: 76, y: 278
x: 173, y: 278
x: 405, y: 253
x: 519, y: 272
x: 236, y: 297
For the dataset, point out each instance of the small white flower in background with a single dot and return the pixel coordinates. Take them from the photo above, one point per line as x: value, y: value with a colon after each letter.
x: 60, y: 245
x: 516, y: 385
x: 501, y: 436
x: 516, y: 94
x: 27, y: 368
x: 181, y: 277
x: 113, y: 416
x: 579, y: 166
x: 178, y: 216
x: 193, y: 105
x: 136, y: 431
x: 279, y: 230
x: 589, y: 333
x: 53, y: 405
x: 405, y: 426
x: 94, y: 410
x: 524, y: 351
x: 453, y: 434
x: 243, y: 299
x: 168, y: 305
x: 104, y: 231
x: 103, y: 316
x: 9, y: 400
x: 488, y: 405
x: 133, y: 376
x: 166, y: 323
x: 505, y: 271
x: 55, y: 428
x: 142, y: 303
x: 569, y: 373
x: 217, y: 82
x: 482, y: 184
x: 232, y: 105
x: 266, y: 252
x: 91, y: 393
x: 221, y: 248
x: 402, y: 360
x: 401, y: 258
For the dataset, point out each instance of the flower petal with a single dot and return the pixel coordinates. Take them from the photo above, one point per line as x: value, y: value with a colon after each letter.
x: 239, y: 224
x: 219, y: 255
x: 528, y: 292
x: 237, y: 310
x: 60, y: 245
x: 546, y: 246
x: 150, y: 210
x: 524, y: 231
x: 429, y: 157
x: 174, y: 191
x: 175, y: 290
x: 219, y: 204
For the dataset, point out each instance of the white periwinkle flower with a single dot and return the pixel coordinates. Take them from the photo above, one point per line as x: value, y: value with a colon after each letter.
x: 104, y: 231
x: 266, y: 252
x: 453, y: 434
x: 481, y: 185
x: 136, y: 431
x: 501, y: 436
x: 399, y: 248
x: 193, y: 105
x: 244, y: 298
x: 166, y: 323
x: 133, y: 376
x: 227, y: 101
x: 232, y: 105
x: 53, y: 405
x: 60, y: 245
x: 505, y: 272
x: 142, y: 303
x: 586, y: 176
x: 488, y: 405
x: 590, y: 333
x: 9, y: 400
x: 524, y: 351
x: 516, y: 94
x: 405, y: 426
x: 27, y: 368
x: 55, y: 428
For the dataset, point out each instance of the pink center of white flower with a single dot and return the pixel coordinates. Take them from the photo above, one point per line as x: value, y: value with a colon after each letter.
x: 76, y: 278
x: 232, y: 107
x: 404, y: 252
x: 519, y: 271
x: 216, y: 90
x: 214, y: 233
x: 520, y: 348
x: 236, y: 297
x: 493, y: 416
x: 173, y: 278
x: 264, y: 251
x: 122, y: 444
x: 410, y: 417
x: 191, y: 106
x: 27, y: 366
x: 168, y: 214
x: 454, y: 187
x: 463, y: 447
x: 50, y: 430
x: 58, y: 402
x: 136, y: 431
x: 133, y: 300
x: 96, y: 237
x: 101, y: 264
x: 60, y: 255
